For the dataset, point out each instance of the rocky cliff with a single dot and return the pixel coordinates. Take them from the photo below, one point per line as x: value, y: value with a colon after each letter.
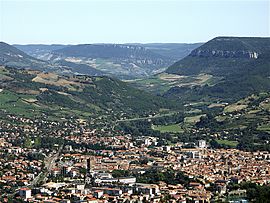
x: 225, y: 53
x: 222, y: 55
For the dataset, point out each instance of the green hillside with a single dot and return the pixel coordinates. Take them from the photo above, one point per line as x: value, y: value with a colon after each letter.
x: 240, y: 67
x: 34, y: 93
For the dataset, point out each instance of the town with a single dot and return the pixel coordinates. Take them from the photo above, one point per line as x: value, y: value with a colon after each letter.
x: 72, y: 161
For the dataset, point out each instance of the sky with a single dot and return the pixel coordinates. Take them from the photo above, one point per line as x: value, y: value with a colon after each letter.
x: 130, y: 21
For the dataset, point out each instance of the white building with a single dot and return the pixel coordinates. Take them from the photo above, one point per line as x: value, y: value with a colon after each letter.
x: 127, y: 180
x: 201, y: 143
x: 150, y: 141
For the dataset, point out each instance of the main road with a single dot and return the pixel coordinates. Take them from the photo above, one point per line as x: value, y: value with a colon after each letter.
x: 49, y: 164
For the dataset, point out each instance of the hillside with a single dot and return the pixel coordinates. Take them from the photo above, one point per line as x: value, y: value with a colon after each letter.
x: 39, y: 51
x: 175, y: 51
x: 237, y: 67
x: 78, y: 69
x: 122, y: 61
x: 34, y: 93
x: 222, y: 56
x: 11, y: 56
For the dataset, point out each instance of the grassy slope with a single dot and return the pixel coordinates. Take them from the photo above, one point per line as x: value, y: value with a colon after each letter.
x: 73, y: 96
x: 227, y: 143
x: 161, y: 83
x: 247, y: 112
x: 173, y: 128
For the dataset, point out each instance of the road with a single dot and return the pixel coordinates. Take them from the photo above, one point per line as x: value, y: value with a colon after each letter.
x: 148, y: 117
x: 49, y: 164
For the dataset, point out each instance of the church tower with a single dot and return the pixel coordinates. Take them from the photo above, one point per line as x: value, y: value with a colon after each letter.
x: 89, y: 180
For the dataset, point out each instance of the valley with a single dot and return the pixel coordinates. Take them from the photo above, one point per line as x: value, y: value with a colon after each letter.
x: 140, y: 101
x: 123, y: 61
x: 121, y: 111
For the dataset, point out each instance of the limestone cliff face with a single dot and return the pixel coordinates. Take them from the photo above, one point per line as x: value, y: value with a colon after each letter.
x: 225, y: 54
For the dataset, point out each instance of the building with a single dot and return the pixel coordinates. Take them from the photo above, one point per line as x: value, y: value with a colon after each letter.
x: 88, y: 165
x: 25, y: 193
x: 147, y: 189
x: 127, y: 180
x: 201, y: 143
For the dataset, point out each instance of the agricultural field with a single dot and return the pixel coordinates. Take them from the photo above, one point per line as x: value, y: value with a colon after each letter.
x: 17, y: 104
x: 163, y: 82
x: 173, y: 128
x: 234, y: 107
x: 193, y: 119
x: 228, y: 143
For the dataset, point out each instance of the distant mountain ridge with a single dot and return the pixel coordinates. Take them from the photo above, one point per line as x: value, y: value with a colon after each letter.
x: 13, y: 57
x: 106, y: 51
x: 121, y: 60
x: 124, y: 61
x: 175, y: 51
x: 39, y: 50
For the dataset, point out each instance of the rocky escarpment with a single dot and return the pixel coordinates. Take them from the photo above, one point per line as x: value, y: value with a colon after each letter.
x: 225, y: 54
x: 222, y: 56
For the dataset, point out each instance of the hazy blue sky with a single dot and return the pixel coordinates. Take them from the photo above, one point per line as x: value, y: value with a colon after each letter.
x: 98, y: 21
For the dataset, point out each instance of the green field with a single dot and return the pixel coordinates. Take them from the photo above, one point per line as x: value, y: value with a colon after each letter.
x: 21, y: 104
x: 229, y: 143
x: 234, y: 107
x: 193, y: 119
x: 174, y: 128
x: 15, y: 104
